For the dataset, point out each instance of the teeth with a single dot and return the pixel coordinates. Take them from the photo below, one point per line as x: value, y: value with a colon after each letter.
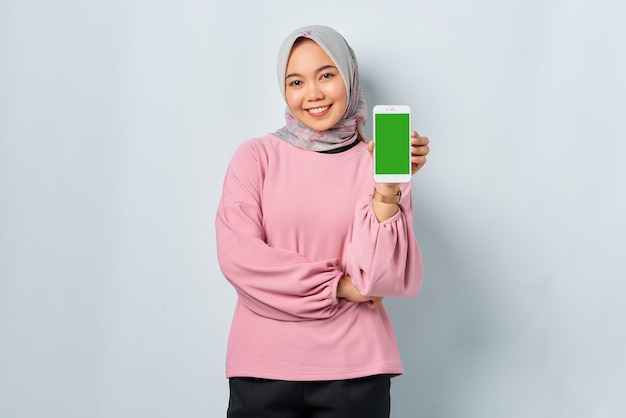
x: 318, y: 110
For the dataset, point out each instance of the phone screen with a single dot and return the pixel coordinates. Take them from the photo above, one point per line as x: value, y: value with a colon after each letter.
x: 392, y: 143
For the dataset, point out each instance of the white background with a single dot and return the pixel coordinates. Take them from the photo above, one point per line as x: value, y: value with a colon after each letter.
x: 118, y: 119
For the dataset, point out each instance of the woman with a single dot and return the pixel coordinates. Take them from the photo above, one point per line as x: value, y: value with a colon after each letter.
x: 312, y: 245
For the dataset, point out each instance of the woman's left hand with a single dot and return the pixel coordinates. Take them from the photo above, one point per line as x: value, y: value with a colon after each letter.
x: 419, y: 151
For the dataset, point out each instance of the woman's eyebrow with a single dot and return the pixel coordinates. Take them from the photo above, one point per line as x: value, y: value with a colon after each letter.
x: 326, y: 67
x: 322, y: 68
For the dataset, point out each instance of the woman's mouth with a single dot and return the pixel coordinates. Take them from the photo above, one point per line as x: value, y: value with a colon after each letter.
x: 319, y: 111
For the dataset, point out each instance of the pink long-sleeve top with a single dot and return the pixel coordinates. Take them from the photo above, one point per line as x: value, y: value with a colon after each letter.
x: 290, y: 224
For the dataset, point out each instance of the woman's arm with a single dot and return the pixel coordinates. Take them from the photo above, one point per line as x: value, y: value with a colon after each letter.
x: 272, y: 282
x: 385, y: 259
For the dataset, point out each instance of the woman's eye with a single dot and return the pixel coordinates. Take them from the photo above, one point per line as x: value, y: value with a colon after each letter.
x: 295, y: 83
x: 327, y: 75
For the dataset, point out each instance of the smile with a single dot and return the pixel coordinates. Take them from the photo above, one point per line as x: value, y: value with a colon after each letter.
x: 319, y: 111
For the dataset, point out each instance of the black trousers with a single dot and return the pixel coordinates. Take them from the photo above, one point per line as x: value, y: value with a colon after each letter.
x: 366, y: 397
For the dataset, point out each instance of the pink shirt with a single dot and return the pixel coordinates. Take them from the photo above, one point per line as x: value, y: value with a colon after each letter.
x: 290, y: 224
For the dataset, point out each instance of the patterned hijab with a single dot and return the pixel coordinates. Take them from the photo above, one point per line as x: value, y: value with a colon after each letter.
x: 351, y: 124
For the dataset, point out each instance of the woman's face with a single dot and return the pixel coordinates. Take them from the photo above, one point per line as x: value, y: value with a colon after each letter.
x: 315, y: 91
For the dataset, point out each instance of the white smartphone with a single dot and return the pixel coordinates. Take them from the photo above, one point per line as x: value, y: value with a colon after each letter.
x: 392, y: 143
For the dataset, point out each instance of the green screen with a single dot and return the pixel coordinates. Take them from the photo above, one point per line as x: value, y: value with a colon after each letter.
x: 392, y: 143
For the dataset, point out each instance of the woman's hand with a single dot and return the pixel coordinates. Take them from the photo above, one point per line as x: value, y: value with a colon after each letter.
x: 347, y: 290
x: 419, y: 151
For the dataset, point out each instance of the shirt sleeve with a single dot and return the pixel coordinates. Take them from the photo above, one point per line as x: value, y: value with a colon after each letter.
x: 384, y: 257
x: 272, y: 282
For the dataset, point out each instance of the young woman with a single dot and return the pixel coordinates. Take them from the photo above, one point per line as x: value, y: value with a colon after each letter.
x: 312, y: 244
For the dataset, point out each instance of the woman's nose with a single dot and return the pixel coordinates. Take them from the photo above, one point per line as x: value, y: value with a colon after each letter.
x: 314, y: 92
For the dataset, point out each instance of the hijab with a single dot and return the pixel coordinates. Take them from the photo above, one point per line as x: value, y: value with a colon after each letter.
x: 350, y: 126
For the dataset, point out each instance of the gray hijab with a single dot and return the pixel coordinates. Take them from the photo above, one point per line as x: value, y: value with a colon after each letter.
x: 351, y: 125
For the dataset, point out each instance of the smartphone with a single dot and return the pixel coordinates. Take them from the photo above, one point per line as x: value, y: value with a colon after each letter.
x: 392, y: 143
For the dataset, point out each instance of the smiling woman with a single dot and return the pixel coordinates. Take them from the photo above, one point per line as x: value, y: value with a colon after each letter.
x: 312, y: 251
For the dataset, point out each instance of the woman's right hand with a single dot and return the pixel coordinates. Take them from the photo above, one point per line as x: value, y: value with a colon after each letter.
x: 347, y: 290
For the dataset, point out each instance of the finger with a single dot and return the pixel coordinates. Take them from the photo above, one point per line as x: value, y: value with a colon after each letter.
x: 419, y: 160
x: 417, y: 166
x: 419, y: 140
x: 420, y: 150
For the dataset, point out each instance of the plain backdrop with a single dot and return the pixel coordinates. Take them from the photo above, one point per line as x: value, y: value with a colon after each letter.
x: 118, y: 119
